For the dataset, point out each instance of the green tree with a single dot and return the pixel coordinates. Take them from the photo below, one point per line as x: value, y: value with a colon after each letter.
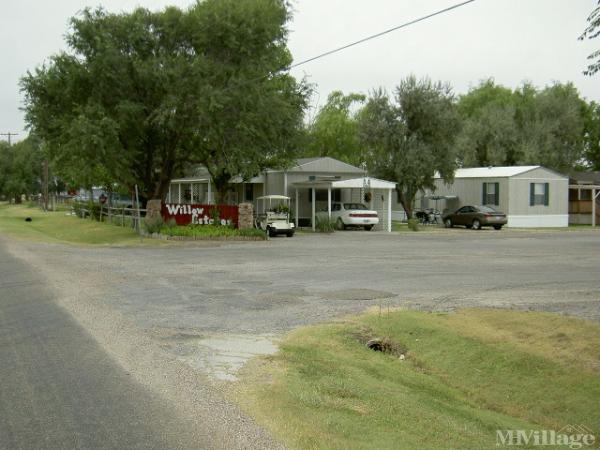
x: 409, y: 139
x: 334, y: 131
x: 551, y: 123
x: 489, y: 135
x: 592, y: 31
x: 21, y: 169
x: 527, y: 126
x: 592, y: 136
x: 141, y: 96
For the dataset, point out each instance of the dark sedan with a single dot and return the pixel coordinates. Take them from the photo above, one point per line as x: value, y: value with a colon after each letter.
x: 475, y: 217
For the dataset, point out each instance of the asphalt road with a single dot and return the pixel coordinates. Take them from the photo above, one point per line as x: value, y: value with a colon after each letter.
x: 60, y: 390
x: 169, y: 313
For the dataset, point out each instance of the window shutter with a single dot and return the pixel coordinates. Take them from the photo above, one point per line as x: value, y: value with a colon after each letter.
x: 546, y: 194
x: 531, y: 194
x: 484, y: 197
x: 497, y: 194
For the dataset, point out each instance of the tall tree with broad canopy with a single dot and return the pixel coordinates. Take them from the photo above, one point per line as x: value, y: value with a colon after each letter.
x: 526, y: 126
x: 140, y: 96
x: 489, y: 134
x: 334, y: 131
x: 410, y: 138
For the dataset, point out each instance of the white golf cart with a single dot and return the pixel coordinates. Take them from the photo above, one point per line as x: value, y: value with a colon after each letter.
x: 273, y: 215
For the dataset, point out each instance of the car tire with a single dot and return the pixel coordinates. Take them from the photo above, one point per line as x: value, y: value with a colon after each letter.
x: 497, y: 227
x: 339, y: 224
x: 476, y: 224
x: 368, y: 227
x: 448, y: 223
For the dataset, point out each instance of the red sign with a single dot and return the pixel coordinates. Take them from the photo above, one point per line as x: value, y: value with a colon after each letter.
x: 200, y: 214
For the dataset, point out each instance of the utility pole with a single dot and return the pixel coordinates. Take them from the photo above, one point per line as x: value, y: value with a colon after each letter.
x: 9, y: 135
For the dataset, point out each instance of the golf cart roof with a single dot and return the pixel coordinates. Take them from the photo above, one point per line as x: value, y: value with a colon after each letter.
x: 273, y: 197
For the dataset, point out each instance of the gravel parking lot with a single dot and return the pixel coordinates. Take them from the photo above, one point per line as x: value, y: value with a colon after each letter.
x: 214, y: 305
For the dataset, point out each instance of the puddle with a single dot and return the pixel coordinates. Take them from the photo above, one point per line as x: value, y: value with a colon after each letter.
x: 223, y: 356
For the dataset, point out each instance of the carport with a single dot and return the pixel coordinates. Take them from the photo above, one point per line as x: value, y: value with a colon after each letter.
x: 595, y: 189
x: 380, y: 199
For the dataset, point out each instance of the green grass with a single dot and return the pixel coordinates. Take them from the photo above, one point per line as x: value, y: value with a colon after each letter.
x: 60, y: 227
x: 212, y: 231
x: 465, y: 375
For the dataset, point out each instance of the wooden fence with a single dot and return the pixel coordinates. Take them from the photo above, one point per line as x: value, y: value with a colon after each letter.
x: 119, y: 216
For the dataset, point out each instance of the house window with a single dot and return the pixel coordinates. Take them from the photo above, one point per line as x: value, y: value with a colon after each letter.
x: 539, y: 194
x: 491, y: 194
x: 321, y: 195
x: 248, y: 192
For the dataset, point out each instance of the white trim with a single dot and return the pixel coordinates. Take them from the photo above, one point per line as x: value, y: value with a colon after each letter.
x: 329, y: 202
x: 389, y: 212
x: 538, y: 220
x: 314, y: 201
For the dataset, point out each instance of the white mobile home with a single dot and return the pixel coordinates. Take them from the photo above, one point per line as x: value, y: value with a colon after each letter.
x: 531, y: 196
x: 312, y: 184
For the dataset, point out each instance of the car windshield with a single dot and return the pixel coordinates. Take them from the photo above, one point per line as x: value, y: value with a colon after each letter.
x: 360, y: 206
x: 487, y: 209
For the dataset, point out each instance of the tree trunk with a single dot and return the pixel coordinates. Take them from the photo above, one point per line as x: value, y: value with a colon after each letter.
x: 406, y: 203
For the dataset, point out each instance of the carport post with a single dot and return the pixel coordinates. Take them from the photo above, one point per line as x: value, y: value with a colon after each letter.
x: 209, y: 192
x: 191, y: 193
x: 296, y: 216
x: 314, y: 200
x: 389, y: 209
x: 329, y: 202
x: 593, y: 207
x: 179, y: 184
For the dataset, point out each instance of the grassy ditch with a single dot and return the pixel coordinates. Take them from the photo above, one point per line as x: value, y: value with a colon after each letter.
x: 60, y: 227
x: 446, y: 380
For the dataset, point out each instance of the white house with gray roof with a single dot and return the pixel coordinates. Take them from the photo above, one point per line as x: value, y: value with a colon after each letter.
x: 312, y: 184
x: 531, y: 196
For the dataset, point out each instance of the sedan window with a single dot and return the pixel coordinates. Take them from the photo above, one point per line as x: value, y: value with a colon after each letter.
x: 359, y: 206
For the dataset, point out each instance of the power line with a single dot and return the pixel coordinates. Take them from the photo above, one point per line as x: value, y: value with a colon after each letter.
x: 368, y: 38
x: 404, y: 25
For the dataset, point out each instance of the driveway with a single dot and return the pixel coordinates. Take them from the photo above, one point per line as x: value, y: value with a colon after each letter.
x: 212, y: 306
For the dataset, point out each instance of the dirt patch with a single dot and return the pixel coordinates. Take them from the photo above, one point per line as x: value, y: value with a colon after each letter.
x: 355, y: 294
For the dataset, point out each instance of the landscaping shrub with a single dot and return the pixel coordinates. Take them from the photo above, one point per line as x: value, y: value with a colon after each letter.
x: 324, y: 225
x: 413, y: 224
x: 153, y: 224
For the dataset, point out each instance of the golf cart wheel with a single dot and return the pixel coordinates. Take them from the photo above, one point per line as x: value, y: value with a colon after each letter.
x: 448, y: 223
x: 476, y: 225
x: 339, y: 224
x: 368, y: 227
x: 289, y: 233
x: 271, y: 231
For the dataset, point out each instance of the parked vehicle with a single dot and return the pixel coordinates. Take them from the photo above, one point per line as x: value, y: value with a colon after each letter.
x: 475, y: 217
x: 273, y: 215
x: 428, y: 216
x: 351, y: 215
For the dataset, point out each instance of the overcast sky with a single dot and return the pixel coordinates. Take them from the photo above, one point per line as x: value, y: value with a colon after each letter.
x: 509, y: 40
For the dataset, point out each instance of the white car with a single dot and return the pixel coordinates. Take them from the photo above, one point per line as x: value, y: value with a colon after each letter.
x: 352, y: 215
